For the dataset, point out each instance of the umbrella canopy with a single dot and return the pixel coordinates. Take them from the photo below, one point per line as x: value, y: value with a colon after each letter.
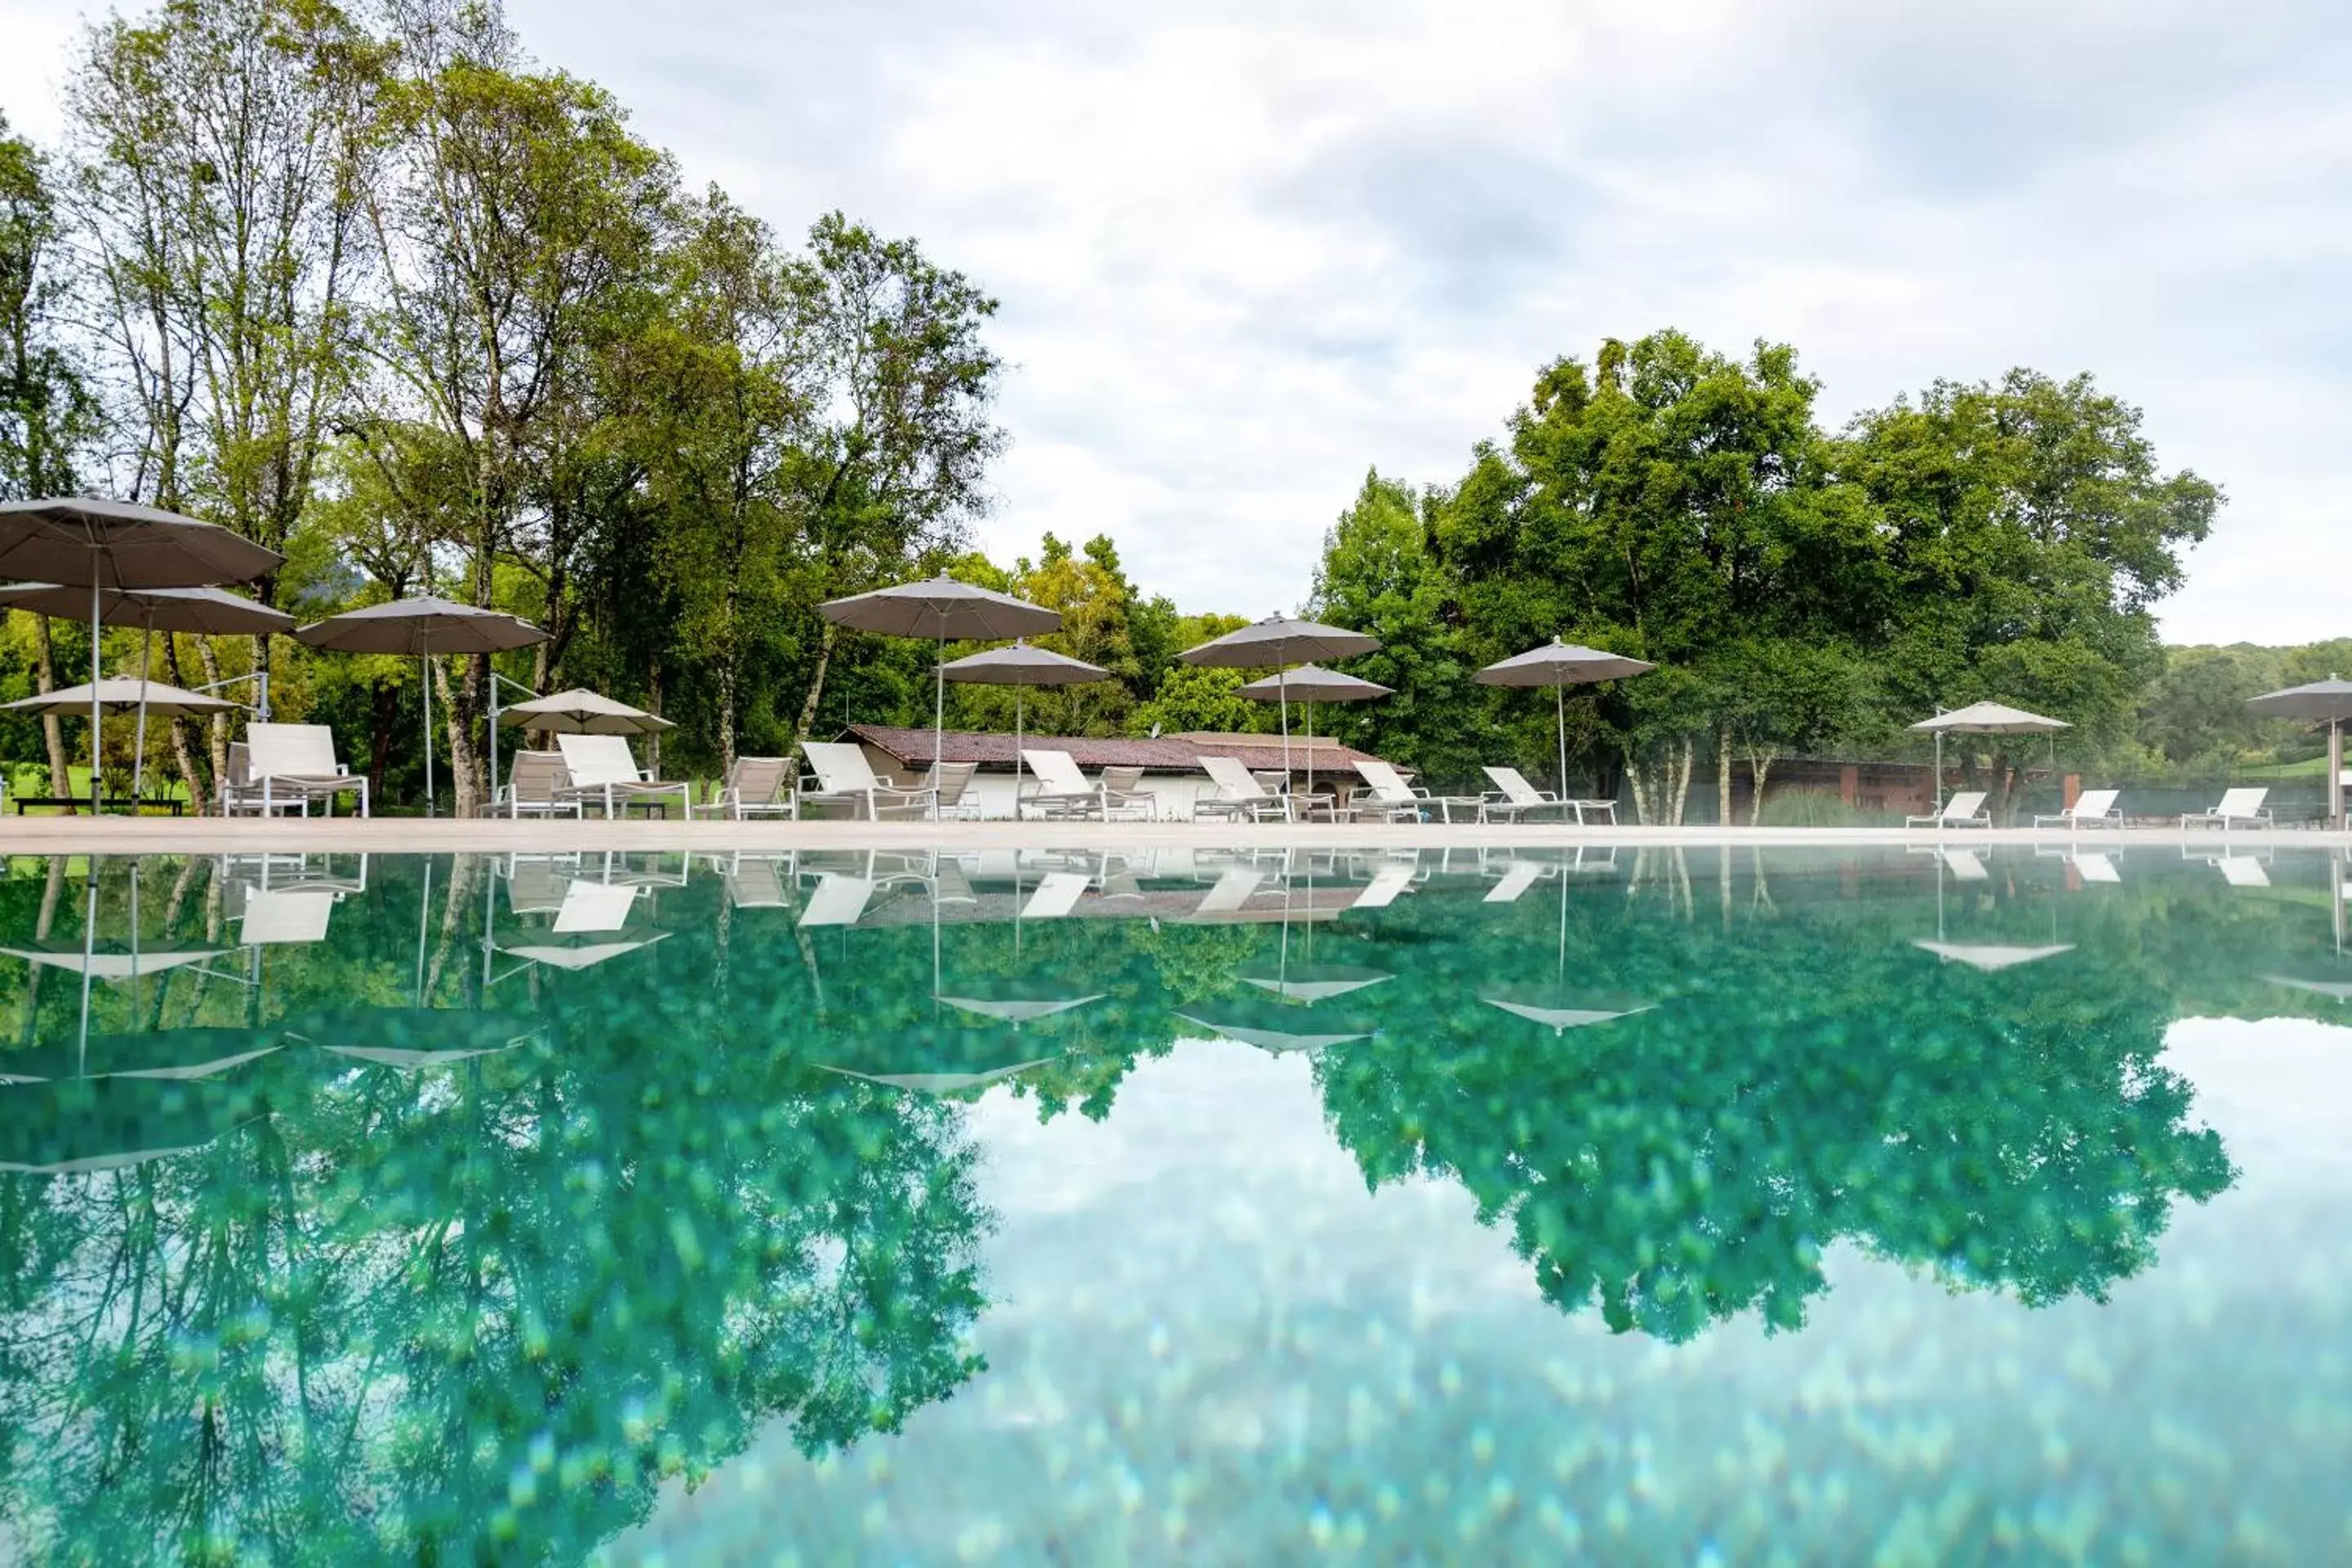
x: 579, y: 712
x: 1992, y: 957
x: 1022, y: 665
x: 2320, y: 702
x: 421, y: 627
x: 84, y: 542
x: 2327, y: 702
x: 1017, y: 1001
x: 119, y: 693
x: 72, y: 1127
x: 185, y: 1054
x: 1559, y: 1008
x: 2339, y: 990
x: 945, y: 611
x: 1559, y: 663
x: 1280, y: 640
x: 942, y: 609
x: 214, y: 612
x: 1307, y: 683
x: 414, y: 1037
x: 1313, y: 683
x: 113, y: 959
x: 1991, y: 719
x: 578, y: 950
x: 1316, y: 982
x: 934, y: 1059
x: 1271, y: 1027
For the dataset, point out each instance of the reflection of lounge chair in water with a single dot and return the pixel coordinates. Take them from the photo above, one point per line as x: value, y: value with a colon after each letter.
x: 1393, y: 879
x: 283, y: 916
x: 1518, y: 876
x: 1057, y: 895
x: 753, y: 882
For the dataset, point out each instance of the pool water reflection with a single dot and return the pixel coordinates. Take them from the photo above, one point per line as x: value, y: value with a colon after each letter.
x: 1179, y: 1206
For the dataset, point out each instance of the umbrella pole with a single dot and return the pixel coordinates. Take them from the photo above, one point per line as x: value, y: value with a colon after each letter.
x: 139, y: 747
x: 1310, y: 755
x: 1285, y: 738
x: 939, y: 713
x: 94, y: 736
x: 88, y: 948
x: 1560, y: 716
x: 425, y: 668
x: 2335, y: 773
x: 1020, y: 712
x: 1935, y: 792
x: 423, y: 905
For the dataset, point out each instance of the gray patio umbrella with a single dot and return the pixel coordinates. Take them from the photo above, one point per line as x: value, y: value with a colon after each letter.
x: 84, y: 542
x: 2328, y: 701
x: 422, y: 628
x: 1020, y: 666
x: 207, y: 612
x: 1561, y: 665
x: 1279, y: 642
x: 1308, y: 682
x: 945, y: 611
x: 1271, y: 1027
x: 1313, y: 983
x: 582, y: 713
x: 118, y: 693
x: 1987, y: 718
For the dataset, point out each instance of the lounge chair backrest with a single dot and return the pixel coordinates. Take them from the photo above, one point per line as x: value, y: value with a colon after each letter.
x: 597, y: 760
x: 2241, y: 803
x: 291, y: 751
x: 1271, y: 780
x: 240, y: 762
x: 1967, y: 804
x: 1387, y: 784
x: 841, y: 766
x: 1057, y: 895
x: 1056, y: 771
x: 1514, y: 786
x: 537, y: 776
x: 1123, y: 780
x: 595, y: 906
x: 1964, y: 865
x: 281, y: 915
x: 952, y: 779
x: 2096, y: 802
x: 1233, y: 780
x: 759, y: 780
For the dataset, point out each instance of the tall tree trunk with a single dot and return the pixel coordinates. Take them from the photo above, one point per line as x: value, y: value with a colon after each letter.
x: 183, y: 753
x: 1722, y: 778
x: 53, y: 731
x: 458, y: 704
x: 726, y: 674
x: 653, y: 742
x: 816, y: 686
x: 1760, y: 764
x: 385, y: 706
x: 217, y: 727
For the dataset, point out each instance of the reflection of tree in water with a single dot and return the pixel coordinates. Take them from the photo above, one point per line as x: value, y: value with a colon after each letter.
x: 1675, y: 1167
x: 494, y: 1304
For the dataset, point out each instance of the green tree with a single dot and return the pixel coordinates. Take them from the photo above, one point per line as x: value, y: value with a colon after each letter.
x: 47, y: 412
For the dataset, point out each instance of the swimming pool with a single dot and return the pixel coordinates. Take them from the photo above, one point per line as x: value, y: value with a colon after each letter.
x: 1664, y: 1204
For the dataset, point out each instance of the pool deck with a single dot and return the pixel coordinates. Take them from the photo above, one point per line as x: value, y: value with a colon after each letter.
x: 215, y: 835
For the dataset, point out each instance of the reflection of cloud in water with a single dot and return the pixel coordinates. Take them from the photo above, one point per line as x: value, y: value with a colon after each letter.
x: 1210, y: 1340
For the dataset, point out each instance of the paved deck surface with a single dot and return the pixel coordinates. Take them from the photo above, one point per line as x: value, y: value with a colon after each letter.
x: 212, y: 836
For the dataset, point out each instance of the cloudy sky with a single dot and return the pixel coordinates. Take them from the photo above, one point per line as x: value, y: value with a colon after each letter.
x: 1244, y: 259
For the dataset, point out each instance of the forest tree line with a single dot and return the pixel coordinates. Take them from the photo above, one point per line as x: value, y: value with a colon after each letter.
x: 376, y: 288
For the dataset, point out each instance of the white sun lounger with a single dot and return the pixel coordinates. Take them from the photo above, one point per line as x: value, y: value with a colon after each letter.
x: 1965, y: 809
x: 603, y: 771
x: 2236, y: 805
x: 277, y: 916
x: 1401, y: 801
x: 289, y: 766
x: 596, y: 906
x: 1518, y: 876
x: 838, y: 900
x: 1239, y: 797
x: 845, y: 778
x: 2096, y: 809
x: 1390, y: 880
x: 1057, y: 895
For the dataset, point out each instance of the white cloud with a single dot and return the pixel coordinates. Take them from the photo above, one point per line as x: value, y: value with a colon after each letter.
x: 1245, y: 253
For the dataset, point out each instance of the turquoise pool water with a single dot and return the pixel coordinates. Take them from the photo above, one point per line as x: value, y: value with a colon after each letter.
x: 1696, y: 1206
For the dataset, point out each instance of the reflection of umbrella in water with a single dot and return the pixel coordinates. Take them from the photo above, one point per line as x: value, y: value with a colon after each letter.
x: 1992, y: 957
x: 934, y: 1060
x: 578, y: 950
x: 1555, y: 1005
x: 1016, y: 1001
x: 1560, y: 1009
x: 114, y: 961
x: 102, y: 1124
x: 1271, y: 1027
x: 1314, y: 983
x: 2341, y: 990
x: 181, y: 1054
x: 414, y: 1037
